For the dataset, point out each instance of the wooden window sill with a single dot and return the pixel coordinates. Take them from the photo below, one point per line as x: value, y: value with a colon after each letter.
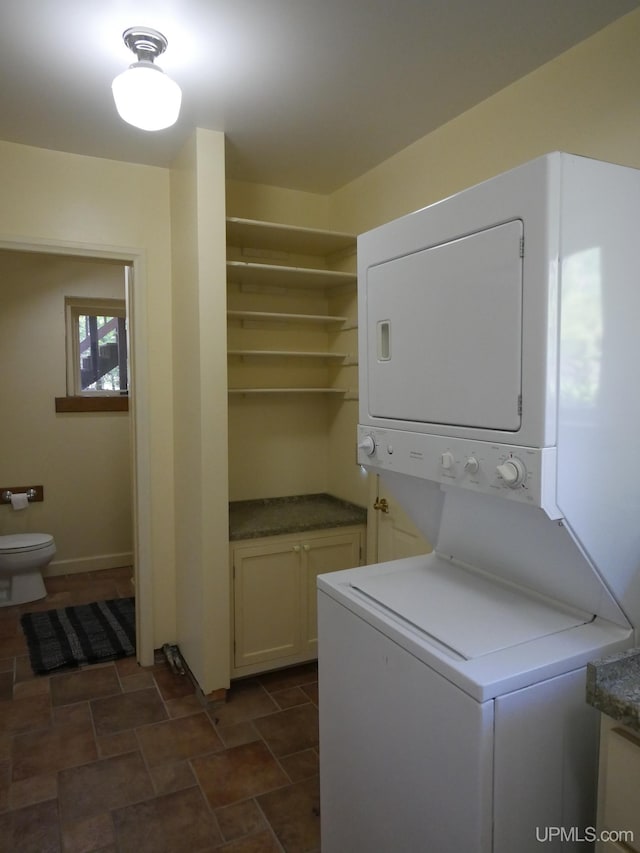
x: 92, y: 404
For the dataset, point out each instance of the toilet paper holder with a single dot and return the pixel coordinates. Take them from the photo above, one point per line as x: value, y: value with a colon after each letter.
x: 34, y: 493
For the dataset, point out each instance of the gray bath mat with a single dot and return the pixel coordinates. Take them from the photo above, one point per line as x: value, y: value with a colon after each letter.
x: 83, y: 634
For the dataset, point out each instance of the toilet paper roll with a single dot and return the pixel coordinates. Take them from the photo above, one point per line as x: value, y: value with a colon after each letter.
x: 19, y: 501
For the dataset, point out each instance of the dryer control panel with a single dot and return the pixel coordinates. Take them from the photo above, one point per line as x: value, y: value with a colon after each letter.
x: 524, y: 474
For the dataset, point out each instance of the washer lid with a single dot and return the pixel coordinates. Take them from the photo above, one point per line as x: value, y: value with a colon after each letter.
x: 19, y: 542
x: 468, y: 612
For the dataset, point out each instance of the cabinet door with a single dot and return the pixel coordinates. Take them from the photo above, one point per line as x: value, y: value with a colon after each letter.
x: 268, y: 595
x: 322, y: 554
x: 621, y: 800
x: 398, y: 537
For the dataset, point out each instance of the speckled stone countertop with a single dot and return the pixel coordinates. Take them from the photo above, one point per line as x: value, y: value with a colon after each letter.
x: 297, y: 514
x: 613, y: 687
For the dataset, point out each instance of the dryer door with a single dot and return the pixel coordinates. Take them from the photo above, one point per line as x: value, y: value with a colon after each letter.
x: 444, y: 332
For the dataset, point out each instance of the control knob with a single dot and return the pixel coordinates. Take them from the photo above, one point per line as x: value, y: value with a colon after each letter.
x: 472, y: 465
x: 367, y: 445
x: 512, y: 472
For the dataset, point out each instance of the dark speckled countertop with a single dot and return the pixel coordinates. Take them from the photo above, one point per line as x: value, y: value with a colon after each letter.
x: 296, y: 514
x: 613, y: 687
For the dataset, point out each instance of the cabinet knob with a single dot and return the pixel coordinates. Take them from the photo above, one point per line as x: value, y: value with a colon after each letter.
x: 296, y: 548
x: 306, y: 547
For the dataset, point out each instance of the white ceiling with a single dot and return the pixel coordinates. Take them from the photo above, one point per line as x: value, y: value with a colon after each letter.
x: 310, y: 93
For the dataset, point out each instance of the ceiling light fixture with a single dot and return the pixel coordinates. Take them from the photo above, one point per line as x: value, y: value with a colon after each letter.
x: 145, y: 97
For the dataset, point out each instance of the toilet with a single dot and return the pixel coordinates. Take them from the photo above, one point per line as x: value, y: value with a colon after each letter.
x: 22, y: 558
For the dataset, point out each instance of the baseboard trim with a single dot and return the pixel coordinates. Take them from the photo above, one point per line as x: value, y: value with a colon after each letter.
x: 88, y: 564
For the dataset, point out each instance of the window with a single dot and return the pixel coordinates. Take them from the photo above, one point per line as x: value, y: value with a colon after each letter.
x: 96, y: 347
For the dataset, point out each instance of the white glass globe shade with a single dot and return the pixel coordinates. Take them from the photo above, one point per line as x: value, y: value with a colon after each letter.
x: 146, y: 98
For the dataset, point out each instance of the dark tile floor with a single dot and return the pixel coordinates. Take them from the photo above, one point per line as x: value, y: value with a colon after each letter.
x: 115, y: 757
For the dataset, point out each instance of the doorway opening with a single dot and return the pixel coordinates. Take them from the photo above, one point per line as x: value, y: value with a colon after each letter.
x: 133, y: 264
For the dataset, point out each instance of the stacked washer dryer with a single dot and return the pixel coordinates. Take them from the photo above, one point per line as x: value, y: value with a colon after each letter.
x: 500, y: 404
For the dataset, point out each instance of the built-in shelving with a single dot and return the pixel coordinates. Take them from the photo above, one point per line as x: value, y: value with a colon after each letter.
x: 254, y: 234
x: 275, y: 275
x: 266, y: 353
x: 274, y: 266
x: 289, y: 391
x: 276, y: 317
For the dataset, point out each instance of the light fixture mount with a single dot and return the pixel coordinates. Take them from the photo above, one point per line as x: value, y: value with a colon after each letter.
x: 144, y: 96
x: 147, y: 44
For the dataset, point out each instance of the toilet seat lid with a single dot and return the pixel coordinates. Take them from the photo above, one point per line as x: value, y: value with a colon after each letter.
x: 19, y: 542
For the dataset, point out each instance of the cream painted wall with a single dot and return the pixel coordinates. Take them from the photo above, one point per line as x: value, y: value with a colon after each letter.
x: 200, y: 413
x: 51, y: 198
x: 82, y: 460
x: 277, y: 204
x: 586, y: 101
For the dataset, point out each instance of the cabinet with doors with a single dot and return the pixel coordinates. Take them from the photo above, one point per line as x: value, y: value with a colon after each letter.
x: 618, y: 788
x: 284, y: 331
x: 274, y: 613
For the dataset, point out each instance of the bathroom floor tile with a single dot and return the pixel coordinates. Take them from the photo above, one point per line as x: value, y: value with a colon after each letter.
x: 35, y: 789
x: 245, y: 701
x: 103, y: 785
x: 301, y: 765
x: 311, y: 690
x: 51, y: 602
x: 238, y: 733
x: 172, y: 777
x: 289, y: 697
x: 117, y: 744
x: 72, y: 715
x: 294, y: 814
x: 33, y: 687
x: 127, y: 711
x: 139, y: 681
x: 171, y: 686
x: 178, y: 739
x: 291, y: 730
x: 261, y: 842
x: 119, y: 758
x: 99, y: 592
x: 128, y: 666
x: 5, y: 785
x: 9, y: 623
x: 89, y: 683
x: 33, y: 829
x: 51, y: 749
x: 183, y: 706
x: 240, y: 819
x: 6, y: 685
x: 294, y: 676
x: 238, y: 773
x: 174, y: 823
x: 13, y: 645
x: 89, y: 834
x: 23, y: 671
x: 22, y: 715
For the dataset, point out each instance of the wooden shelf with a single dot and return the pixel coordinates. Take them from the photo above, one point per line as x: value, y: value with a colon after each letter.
x: 249, y: 233
x: 273, y: 317
x: 274, y: 275
x: 259, y: 353
x: 288, y: 391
